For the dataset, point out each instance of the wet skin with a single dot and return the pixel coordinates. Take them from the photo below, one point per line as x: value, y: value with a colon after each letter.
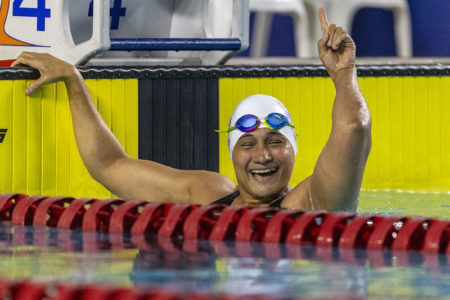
x: 263, y: 160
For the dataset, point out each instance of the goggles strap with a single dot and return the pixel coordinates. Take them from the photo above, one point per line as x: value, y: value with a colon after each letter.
x: 225, y: 130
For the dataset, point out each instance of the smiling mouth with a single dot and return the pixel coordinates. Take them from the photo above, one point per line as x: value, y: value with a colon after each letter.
x: 263, y: 174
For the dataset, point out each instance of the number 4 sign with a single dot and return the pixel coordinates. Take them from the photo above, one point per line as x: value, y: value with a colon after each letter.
x: 115, y: 12
x: 40, y: 12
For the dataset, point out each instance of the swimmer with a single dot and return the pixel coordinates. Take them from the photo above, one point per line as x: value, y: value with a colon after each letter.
x: 261, y: 140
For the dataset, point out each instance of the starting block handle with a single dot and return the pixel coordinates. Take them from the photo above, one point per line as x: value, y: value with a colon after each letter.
x: 225, y: 24
x: 99, y: 41
x: 175, y: 44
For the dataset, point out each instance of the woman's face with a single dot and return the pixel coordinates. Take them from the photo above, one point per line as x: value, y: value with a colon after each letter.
x: 263, y: 161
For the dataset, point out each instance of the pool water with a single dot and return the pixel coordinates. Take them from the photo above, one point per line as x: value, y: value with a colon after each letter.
x: 435, y: 205
x: 53, y: 255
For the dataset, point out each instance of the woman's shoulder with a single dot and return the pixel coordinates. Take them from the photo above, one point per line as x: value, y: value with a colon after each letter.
x: 299, y: 197
x: 208, y: 186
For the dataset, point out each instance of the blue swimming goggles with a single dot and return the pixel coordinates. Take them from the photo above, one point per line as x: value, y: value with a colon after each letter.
x: 248, y: 123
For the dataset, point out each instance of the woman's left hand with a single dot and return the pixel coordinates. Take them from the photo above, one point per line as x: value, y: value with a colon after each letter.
x: 337, y: 51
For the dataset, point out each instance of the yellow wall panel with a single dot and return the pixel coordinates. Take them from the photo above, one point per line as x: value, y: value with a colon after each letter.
x: 266, y: 86
x: 303, y: 130
x: 131, y: 118
x: 34, y: 137
x: 5, y: 123
x: 409, y: 132
x: 18, y: 170
x: 397, y: 172
x: 63, y: 141
x: 422, y: 132
x: 253, y: 86
x: 410, y: 127
x: 48, y: 129
x: 41, y: 156
x: 444, y: 96
x: 383, y: 131
x: 434, y: 121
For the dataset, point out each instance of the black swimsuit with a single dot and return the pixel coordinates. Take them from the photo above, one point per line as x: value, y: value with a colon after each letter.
x: 227, y: 200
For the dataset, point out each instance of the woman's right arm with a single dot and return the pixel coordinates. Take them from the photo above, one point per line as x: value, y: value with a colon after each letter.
x: 104, y: 156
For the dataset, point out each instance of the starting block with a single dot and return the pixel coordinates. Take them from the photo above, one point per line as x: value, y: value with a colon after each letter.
x: 43, y: 26
x: 121, y: 31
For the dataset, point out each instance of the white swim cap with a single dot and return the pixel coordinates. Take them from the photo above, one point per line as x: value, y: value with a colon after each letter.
x: 260, y: 106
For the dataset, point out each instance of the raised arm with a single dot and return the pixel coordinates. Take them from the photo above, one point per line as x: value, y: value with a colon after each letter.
x: 336, y: 180
x: 105, y: 158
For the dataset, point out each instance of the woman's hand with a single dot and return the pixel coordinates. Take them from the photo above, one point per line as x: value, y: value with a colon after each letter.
x: 337, y: 50
x: 51, y: 69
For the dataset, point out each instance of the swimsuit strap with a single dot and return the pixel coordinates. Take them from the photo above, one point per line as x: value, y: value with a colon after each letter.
x: 227, y: 200
x: 277, y: 203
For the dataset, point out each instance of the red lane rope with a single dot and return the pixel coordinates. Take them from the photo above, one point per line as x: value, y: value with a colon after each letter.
x: 49, y: 212
x: 72, y: 216
x: 217, y: 222
x: 27, y: 290
x: 200, y: 222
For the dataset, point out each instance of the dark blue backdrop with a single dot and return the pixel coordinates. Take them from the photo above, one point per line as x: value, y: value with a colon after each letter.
x: 373, y: 31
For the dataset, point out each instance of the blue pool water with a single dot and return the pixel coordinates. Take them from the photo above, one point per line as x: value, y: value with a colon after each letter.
x: 49, y: 255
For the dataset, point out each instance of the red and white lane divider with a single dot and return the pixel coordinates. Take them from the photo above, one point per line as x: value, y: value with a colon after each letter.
x: 219, y: 222
x: 39, y: 291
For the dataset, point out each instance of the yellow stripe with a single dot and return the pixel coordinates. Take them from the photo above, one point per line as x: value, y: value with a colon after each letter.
x: 63, y: 140
x: 6, y: 108
x: 41, y: 156
x: 422, y: 133
x: 48, y: 146
x: 444, y: 93
x: 34, y: 145
x: 303, y: 127
x: 434, y: 143
x: 396, y: 114
x: 131, y: 118
x: 295, y: 101
x: 18, y: 133
x: 410, y: 127
x: 409, y: 132
x: 383, y: 131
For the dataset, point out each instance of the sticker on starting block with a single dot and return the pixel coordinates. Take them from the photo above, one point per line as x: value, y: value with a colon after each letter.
x: 2, y: 134
x: 21, y: 24
x: 43, y: 26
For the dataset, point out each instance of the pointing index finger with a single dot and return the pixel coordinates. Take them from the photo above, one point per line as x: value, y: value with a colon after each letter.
x: 323, y: 20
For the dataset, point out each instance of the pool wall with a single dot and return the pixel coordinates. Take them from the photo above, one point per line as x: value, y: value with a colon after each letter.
x: 410, y: 125
x: 143, y: 106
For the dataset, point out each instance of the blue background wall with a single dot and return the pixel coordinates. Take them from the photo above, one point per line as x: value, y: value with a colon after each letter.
x: 373, y: 31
